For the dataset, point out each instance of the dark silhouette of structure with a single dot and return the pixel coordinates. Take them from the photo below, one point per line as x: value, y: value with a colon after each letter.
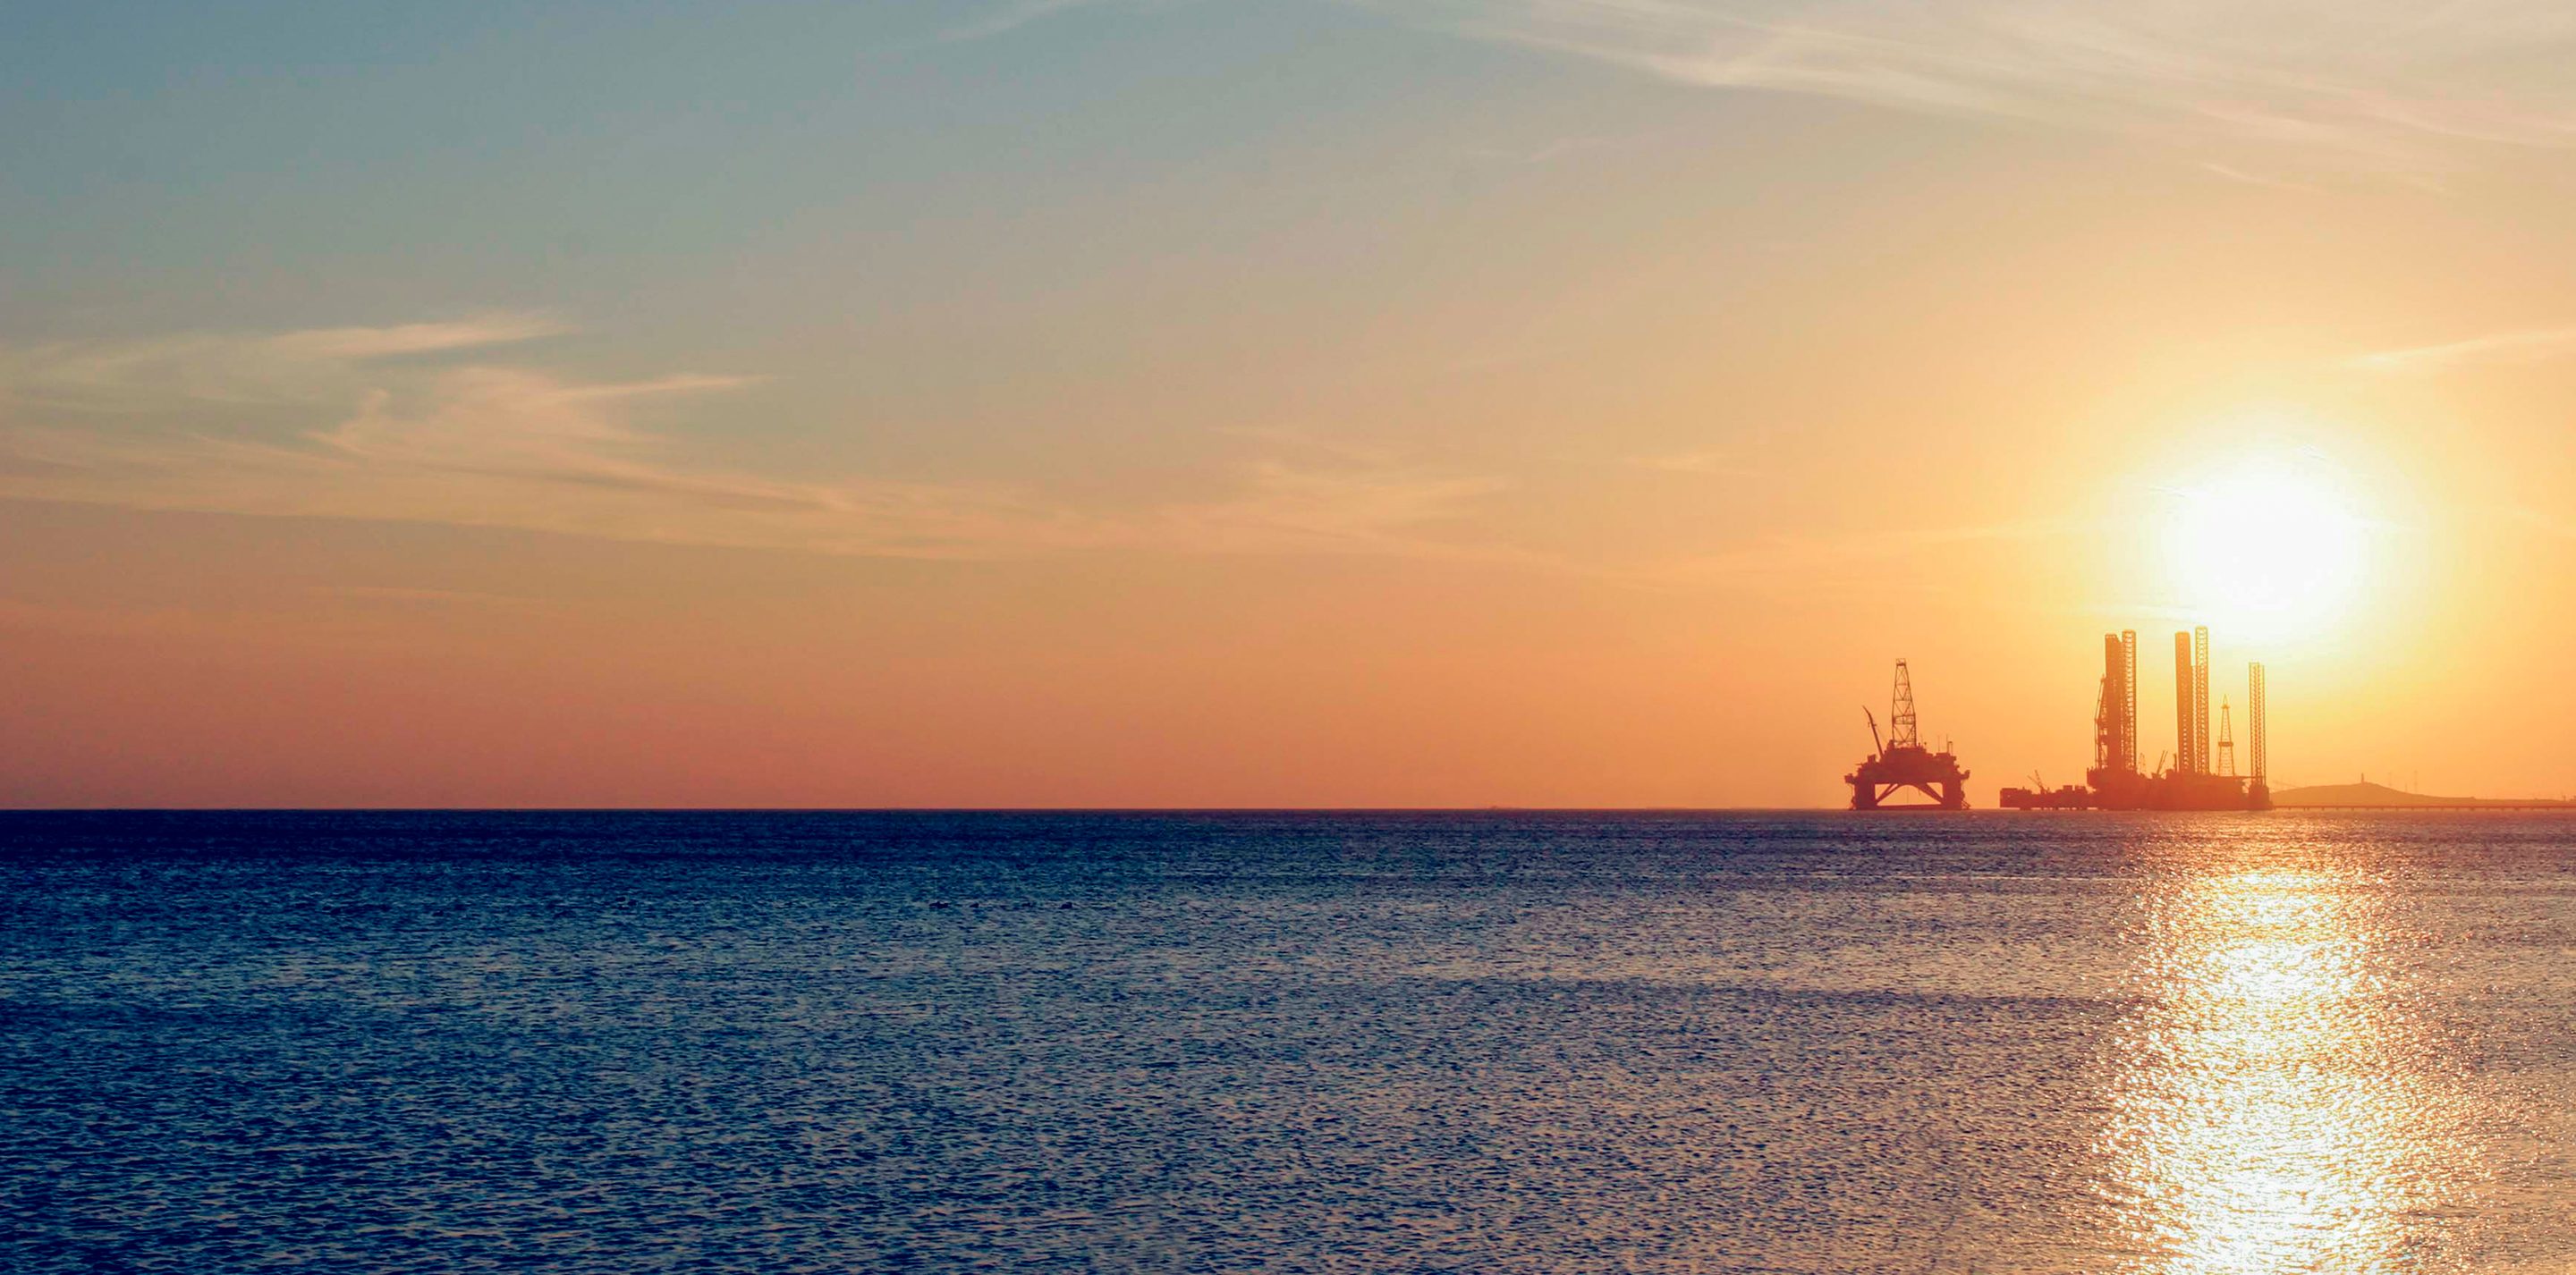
x: 1903, y: 762
x: 2260, y: 789
x: 2039, y: 796
x: 2186, y: 756
x: 2193, y: 782
x: 2200, y: 701
x: 2115, y: 717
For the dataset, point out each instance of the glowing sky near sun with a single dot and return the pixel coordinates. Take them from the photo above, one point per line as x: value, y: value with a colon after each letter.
x: 1322, y: 402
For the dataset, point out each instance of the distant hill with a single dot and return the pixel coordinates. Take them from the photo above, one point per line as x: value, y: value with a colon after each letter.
x: 2369, y: 794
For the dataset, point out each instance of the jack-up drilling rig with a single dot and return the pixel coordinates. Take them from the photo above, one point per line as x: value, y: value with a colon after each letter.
x: 1903, y: 762
x: 2201, y: 777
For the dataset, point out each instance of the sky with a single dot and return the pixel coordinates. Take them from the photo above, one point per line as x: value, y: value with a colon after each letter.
x: 1270, y: 402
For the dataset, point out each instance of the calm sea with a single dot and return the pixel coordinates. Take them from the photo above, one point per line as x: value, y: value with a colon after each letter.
x: 1288, y: 1042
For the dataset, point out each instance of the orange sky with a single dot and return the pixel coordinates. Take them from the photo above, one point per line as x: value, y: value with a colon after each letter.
x: 1328, y: 405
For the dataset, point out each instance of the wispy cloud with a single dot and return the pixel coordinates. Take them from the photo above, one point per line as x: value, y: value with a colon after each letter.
x: 267, y: 368
x: 1007, y: 17
x: 1325, y: 449
x: 1011, y: 15
x: 346, y: 423
x: 405, y: 594
x: 1369, y: 511
x: 1715, y: 464
x: 2253, y: 179
x: 1548, y: 153
x: 2387, y: 86
x: 495, y: 445
x: 2527, y: 345
x: 1832, y: 561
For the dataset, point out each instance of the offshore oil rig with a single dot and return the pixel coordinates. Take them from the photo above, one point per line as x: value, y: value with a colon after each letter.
x: 2200, y: 777
x: 1902, y: 761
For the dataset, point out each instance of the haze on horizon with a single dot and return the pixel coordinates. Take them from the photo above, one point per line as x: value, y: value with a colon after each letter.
x: 1279, y: 403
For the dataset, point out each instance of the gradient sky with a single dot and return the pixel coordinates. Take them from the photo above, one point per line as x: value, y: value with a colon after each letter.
x: 1286, y: 402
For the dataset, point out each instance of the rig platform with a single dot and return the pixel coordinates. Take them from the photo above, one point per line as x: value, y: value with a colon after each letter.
x: 1902, y: 762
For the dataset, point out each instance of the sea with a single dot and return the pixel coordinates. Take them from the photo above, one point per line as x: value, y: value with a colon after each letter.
x: 1500, y: 1041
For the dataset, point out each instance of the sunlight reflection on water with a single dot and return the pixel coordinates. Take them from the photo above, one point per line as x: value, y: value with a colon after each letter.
x: 2276, y: 1106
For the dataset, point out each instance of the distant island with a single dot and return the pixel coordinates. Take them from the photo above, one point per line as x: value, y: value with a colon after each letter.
x: 2381, y: 796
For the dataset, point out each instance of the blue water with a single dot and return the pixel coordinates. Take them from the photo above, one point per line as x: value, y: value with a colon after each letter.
x: 1304, y: 1042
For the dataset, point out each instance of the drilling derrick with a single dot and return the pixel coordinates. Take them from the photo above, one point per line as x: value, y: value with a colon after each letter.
x: 2106, y: 727
x: 2114, y: 777
x: 2226, y: 742
x: 1900, y: 712
x: 1903, y: 762
x: 2115, y: 714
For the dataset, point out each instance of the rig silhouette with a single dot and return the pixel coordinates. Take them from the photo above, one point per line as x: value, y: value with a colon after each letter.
x: 1902, y: 761
x: 2199, y: 777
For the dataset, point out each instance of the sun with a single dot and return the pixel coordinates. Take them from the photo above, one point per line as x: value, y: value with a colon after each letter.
x: 2273, y: 551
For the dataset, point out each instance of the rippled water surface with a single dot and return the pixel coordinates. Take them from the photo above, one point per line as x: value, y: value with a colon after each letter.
x: 1494, y: 1042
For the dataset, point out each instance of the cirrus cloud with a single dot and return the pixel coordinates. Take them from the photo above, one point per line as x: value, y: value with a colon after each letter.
x: 2392, y: 88
x: 338, y: 423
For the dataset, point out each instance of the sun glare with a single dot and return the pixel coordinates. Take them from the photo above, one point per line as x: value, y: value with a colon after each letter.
x: 2271, y: 551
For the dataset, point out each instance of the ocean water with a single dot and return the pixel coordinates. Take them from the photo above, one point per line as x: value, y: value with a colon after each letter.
x: 1288, y: 1042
